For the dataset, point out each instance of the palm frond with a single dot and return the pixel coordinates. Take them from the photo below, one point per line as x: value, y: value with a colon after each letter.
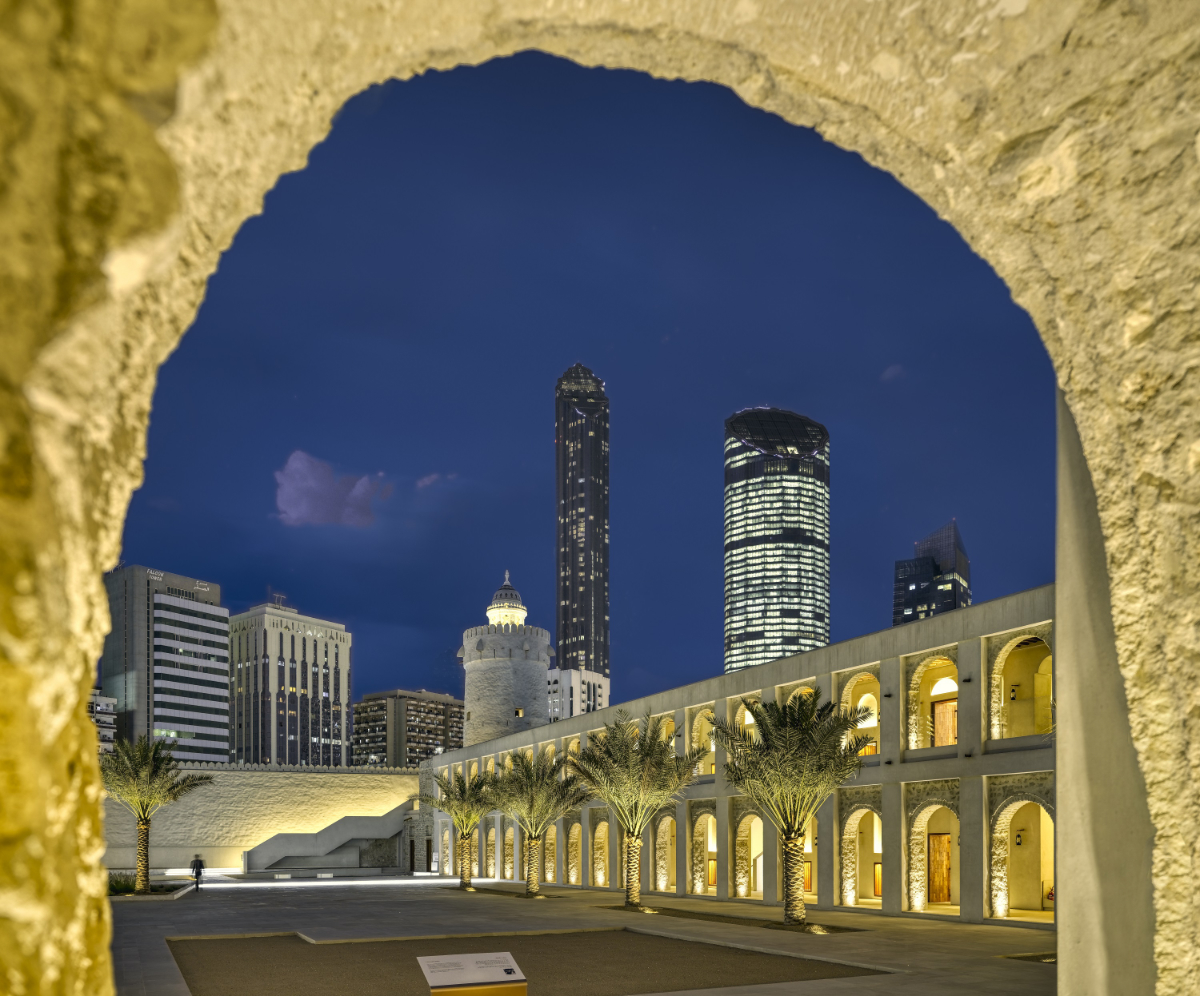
x: 465, y: 801
x: 634, y: 769
x: 143, y: 776
x: 535, y: 791
x: 800, y: 754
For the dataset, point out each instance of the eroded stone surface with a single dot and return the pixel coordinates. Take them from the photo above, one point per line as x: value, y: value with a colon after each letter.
x: 1060, y: 139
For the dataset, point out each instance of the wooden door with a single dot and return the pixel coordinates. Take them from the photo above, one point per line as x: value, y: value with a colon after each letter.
x: 939, y: 868
x: 878, y: 878
x: 945, y: 723
x: 808, y: 876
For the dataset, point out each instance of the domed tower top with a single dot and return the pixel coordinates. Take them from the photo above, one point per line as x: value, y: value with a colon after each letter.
x: 506, y: 608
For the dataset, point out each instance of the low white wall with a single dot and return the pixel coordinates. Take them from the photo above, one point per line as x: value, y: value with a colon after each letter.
x: 246, y: 805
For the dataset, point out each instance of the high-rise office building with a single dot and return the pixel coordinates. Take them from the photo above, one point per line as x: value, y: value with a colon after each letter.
x: 776, y: 536
x: 401, y: 729
x: 289, y: 688
x: 103, y: 712
x: 581, y: 465
x: 166, y: 661
x: 937, y: 579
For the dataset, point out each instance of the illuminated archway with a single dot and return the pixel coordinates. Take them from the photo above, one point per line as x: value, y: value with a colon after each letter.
x: 860, y: 858
x: 748, y: 853
x: 1006, y: 837
x: 664, y: 854
x: 574, y: 855
x: 600, y: 872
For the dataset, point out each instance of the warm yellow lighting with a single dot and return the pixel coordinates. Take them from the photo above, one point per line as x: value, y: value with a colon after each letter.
x: 943, y: 686
x: 878, y: 833
x: 870, y: 703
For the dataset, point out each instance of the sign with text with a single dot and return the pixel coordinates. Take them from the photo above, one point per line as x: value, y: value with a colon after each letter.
x: 445, y: 971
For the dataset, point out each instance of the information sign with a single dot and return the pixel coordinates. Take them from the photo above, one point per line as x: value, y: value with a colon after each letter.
x: 449, y: 971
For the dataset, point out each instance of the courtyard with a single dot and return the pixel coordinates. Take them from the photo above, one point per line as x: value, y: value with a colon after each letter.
x: 267, y: 937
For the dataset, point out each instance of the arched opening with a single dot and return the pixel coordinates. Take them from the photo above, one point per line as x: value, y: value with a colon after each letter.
x: 549, y: 869
x: 475, y: 853
x: 474, y: 770
x: 509, y: 854
x: 704, y: 855
x: 933, y: 704
x: 862, y: 859
x: 802, y: 690
x: 574, y: 855
x: 748, y: 852
x: 573, y: 746
x: 1022, y: 862
x: 744, y: 718
x: 445, y: 868
x: 933, y: 862
x: 490, y: 857
x: 664, y: 855
x: 1026, y: 686
x: 862, y: 692
x: 491, y: 765
x: 702, y: 737
x: 600, y: 875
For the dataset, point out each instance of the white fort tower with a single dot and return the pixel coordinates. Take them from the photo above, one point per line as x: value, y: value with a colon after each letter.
x: 506, y: 663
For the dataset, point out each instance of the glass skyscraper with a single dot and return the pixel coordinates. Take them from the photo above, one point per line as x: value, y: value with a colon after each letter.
x: 936, y: 579
x: 776, y: 536
x: 581, y: 466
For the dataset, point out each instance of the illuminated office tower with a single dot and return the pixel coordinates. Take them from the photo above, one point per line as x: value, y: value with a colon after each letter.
x: 937, y: 579
x: 289, y: 688
x: 581, y: 468
x: 776, y: 536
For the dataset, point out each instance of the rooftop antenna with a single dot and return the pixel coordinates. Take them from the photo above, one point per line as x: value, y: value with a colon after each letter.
x: 278, y: 597
x: 506, y: 577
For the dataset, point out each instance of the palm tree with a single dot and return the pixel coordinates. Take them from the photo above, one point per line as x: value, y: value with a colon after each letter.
x: 636, y: 771
x: 143, y: 777
x: 799, y: 755
x: 535, y: 792
x: 466, y: 802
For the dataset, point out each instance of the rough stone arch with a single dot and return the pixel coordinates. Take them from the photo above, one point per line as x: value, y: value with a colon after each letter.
x: 915, y: 671
x: 475, y: 853
x: 741, y: 850
x: 490, y: 856
x: 997, y: 659
x: 921, y: 801
x: 1001, y: 823
x: 549, y: 854
x: 1076, y: 207
x: 600, y: 870
x: 509, y: 850
x: 662, y: 823
x: 865, y: 674
x: 445, y: 851
x: 850, y: 849
x: 800, y: 690
x: 575, y: 854
x: 696, y: 735
x: 699, y: 862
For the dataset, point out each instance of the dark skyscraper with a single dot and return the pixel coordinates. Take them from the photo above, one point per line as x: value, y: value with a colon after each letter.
x: 936, y: 580
x: 581, y: 466
x: 776, y: 536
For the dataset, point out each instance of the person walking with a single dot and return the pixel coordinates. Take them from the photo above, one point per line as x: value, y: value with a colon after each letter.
x: 197, y: 870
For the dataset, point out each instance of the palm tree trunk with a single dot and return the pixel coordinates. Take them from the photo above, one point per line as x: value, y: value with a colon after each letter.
x: 464, y: 862
x: 142, y: 883
x: 633, y: 870
x: 793, y: 879
x: 533, y: 850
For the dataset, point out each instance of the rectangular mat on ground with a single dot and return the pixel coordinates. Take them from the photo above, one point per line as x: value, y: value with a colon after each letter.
x: 587, y: 963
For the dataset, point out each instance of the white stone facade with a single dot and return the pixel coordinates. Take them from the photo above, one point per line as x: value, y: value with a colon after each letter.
x: 572, y: 692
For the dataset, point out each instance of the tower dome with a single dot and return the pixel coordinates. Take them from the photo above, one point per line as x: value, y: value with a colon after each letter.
x: 506, y: 608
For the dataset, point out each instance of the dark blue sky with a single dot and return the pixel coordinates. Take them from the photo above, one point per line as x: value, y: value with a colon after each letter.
x: 404, y: 305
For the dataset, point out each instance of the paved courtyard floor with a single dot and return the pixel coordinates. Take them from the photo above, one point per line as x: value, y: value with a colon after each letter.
x: 929, y: 958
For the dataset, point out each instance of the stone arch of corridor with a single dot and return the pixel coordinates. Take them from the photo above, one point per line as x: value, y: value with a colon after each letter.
x: 918, y: 853
x: 998, y: 845
x: 849, y: 854
x: 1058, y: 139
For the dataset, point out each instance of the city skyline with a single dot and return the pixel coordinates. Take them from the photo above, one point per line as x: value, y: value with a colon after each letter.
x: 702, y: 255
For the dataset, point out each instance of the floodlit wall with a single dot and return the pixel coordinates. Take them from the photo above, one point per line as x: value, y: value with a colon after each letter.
x: 245, y: 805
x: 1058, y: 139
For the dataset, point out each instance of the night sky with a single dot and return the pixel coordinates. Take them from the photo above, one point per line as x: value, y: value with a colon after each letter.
x: 362, y: 416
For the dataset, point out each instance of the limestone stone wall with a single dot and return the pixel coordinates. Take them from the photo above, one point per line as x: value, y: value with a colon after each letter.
x: 1060, y: 139
x: 245, y: 805
x: 505, y: 673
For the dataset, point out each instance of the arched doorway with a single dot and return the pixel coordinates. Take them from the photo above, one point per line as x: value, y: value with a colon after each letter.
x: 748, y: 875
x: 933, y: 861
x: 862, y: 692
x: 549, y: 868
x: 444, y: 853
x: 475, y: 853
x: 704, y: 855
x: 600, y: 875
x: 1023, y: 690
x: 933, y: 704
x: 574, y: 855
x: 664, y: 854
x: 744, y: 718
x: 490, y: 860
x: 1022, y: 862
x: 810, y: 862
x: 702, y: 737
x: 509, y: 866
x: 862, y: 859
